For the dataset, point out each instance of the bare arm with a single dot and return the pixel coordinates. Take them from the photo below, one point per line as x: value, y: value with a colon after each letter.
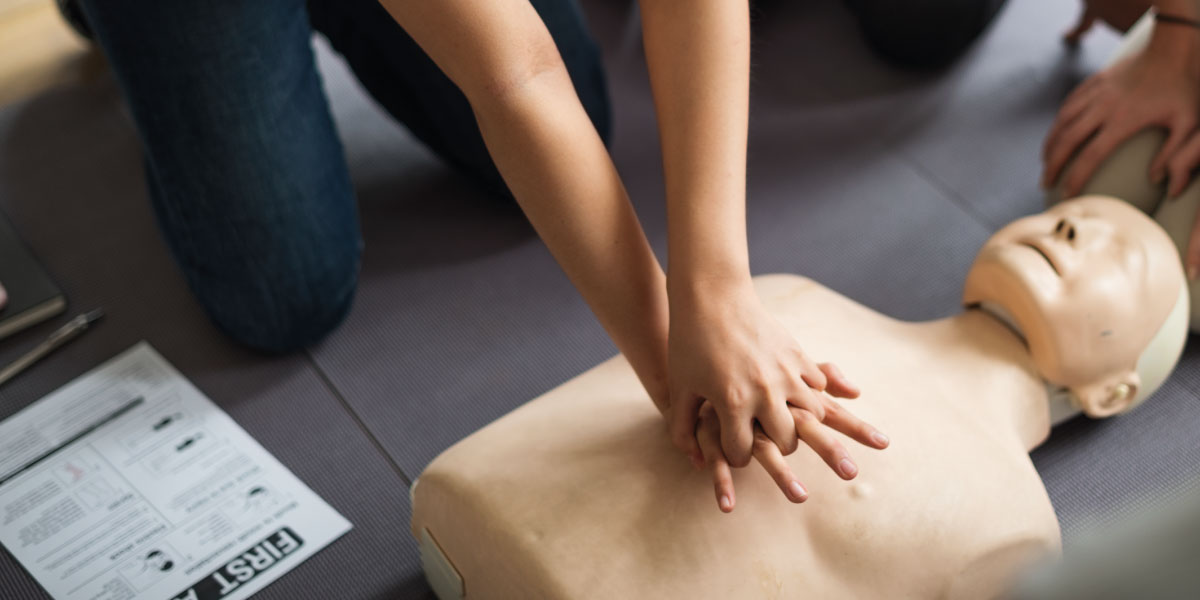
x: 698, y: 55
x: 723, y: 347
x: 501, y: 56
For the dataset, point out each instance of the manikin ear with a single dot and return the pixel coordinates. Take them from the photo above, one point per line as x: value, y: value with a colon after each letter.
x: 1108, y: 397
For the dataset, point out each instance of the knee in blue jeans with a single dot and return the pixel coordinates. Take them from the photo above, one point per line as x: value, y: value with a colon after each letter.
x: 286, y: 310
x: 923, y: 34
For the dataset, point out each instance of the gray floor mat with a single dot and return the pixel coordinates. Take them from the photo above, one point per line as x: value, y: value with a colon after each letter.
x: 71, y: 183
x: 980, y: 135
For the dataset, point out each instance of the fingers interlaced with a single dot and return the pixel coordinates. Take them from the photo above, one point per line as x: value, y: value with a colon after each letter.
x: 778, y: 426
x: 767, y: 454
x: 804, y: 397
x: 811, y: 374
x: 843, y: 421
x: 813, y: 433
x: 838, y: 385
x: 736, y: 435
x: 708, y: 437
x: 717, y: 434
x: 683, y: 411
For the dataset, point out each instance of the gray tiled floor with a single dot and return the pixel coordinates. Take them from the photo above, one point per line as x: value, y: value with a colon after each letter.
x: 878, y: 183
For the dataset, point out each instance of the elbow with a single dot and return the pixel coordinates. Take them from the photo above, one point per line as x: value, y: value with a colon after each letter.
x: 514, y: 76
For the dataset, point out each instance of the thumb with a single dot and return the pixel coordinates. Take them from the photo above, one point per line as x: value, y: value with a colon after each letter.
x: 1075, y: 36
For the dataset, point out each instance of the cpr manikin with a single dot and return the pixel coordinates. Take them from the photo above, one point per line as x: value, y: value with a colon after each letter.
x: 579, y: 493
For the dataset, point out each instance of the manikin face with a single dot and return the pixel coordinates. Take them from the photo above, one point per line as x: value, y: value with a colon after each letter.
x: 1089, y: 282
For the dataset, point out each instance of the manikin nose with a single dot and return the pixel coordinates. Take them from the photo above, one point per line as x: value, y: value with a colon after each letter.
x: 1066, y: 230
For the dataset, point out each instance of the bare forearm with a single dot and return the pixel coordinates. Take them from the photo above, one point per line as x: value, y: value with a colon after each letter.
x: 1188, y: 8
x: 502, y: 57
x: 560, y: 172
x: 698, y: 54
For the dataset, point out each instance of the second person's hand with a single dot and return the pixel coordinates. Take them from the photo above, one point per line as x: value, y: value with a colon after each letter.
x: 725, y: 348
x: 1157, y: 87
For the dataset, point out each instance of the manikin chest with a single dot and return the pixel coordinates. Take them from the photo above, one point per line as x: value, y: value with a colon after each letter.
x: 579, y: 494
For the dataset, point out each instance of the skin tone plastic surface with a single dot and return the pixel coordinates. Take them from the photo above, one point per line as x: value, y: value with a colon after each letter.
x: 1125, y: 174
x: 1122, y: 175
x: 579, y: 495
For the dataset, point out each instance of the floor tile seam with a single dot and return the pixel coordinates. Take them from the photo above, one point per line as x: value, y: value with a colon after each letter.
x: 357, y: 418
x: 942, y: 187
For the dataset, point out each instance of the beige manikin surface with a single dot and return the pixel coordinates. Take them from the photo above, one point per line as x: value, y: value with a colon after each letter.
x: 1125, y: 175
x: 951, y: 509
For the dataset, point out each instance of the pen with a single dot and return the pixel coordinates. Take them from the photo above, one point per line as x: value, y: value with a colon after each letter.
x: 61, y: 336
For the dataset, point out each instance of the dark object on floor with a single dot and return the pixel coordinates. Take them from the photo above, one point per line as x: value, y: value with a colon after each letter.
x: 73, y: 15
x: 922, y: 34
x: 32, y: 295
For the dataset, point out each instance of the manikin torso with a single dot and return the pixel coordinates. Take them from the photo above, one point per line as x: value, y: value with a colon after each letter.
x: 579, y: 493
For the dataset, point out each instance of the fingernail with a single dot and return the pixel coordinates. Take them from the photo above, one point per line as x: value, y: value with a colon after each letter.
x: 847, y: 467
x: 879, y: 438
x: 1193, y: 272
x: 697, y: 461
x: 798, y: 492
x: 726, y: 503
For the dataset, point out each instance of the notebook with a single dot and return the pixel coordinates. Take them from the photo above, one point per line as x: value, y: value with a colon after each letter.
x: 32, y: 295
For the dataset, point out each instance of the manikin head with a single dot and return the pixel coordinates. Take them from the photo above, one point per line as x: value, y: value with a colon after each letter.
x: 1097, y: 290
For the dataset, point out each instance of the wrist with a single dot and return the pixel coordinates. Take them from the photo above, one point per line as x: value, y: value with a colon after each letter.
x: 1176, y: 47
x: 709, y: 296
x: 1181, y: 8
x: 689, y: 284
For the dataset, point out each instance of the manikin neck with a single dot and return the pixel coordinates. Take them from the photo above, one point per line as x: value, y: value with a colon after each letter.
x: 1003, y: 381
x: 1062, y: 406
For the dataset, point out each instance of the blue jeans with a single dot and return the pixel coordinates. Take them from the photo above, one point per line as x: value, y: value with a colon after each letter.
x: 922, y: 34
x: 246, y: 173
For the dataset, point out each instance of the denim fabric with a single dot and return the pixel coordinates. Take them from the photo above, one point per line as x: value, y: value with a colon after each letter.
x: 246, y: 173
x: 922, y: 34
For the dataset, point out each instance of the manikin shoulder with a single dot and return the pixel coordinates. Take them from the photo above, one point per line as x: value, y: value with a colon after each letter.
x: 795, y: 296
x: 998, y: 568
